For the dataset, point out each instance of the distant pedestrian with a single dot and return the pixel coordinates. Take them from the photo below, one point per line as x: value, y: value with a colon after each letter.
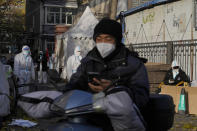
x: 3, y: 60
x: 42, y: 67
x: 52, y: 61
x: 73, y: 62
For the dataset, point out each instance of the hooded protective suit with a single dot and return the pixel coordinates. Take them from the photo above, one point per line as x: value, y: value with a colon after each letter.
x: 24, y: 67
x: 52, y: 61
x: 73, y: 62
x: 175, y: 75
x: 175, y: 72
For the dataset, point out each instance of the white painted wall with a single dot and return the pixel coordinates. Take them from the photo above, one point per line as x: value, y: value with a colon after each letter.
x: 176, y: 15
x: 121, y: 6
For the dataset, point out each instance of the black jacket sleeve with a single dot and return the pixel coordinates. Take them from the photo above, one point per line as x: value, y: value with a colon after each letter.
x: 139, y: 85
x: 167, y: 77
x: 79, y: 79
x: 183, y: 76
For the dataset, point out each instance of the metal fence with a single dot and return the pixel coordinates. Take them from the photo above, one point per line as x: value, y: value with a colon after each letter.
x: 164, y: 52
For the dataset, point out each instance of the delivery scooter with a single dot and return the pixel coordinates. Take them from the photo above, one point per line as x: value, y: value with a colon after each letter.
x: 77, y: 111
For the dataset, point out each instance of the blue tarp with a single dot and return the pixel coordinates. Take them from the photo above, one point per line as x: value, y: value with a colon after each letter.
x: 146, y: 5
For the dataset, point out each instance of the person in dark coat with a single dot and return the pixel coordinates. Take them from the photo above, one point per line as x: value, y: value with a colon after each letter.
x: 175, y: 75
x: 42, y: 67
x: 110, y: 63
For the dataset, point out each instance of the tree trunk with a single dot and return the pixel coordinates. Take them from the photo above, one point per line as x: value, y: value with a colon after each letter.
x: 113, y: 9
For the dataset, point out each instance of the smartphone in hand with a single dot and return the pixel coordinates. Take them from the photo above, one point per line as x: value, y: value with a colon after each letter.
x: 92, y: 75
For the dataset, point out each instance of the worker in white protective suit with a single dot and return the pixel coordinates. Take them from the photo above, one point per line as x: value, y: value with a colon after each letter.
x: 52, y: 61
x: 73, y: 62
x: 175, y: 75
x: 24, y: 68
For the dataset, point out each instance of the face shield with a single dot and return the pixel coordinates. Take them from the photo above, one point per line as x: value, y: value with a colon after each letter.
x: 26, y: 50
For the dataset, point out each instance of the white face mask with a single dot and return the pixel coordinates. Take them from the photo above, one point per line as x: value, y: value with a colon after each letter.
x: 77, y: 53
x: 105, y: 48
x: 175, y: 72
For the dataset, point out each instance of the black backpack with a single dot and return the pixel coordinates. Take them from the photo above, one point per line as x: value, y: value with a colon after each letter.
x: 159, y: 113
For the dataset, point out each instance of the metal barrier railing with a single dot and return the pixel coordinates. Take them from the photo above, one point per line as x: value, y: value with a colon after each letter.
x: 183, y: 51
x: 154, y: 52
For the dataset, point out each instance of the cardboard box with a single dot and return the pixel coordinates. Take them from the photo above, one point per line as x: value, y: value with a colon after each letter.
x: 175, y: 91
x: 156, y: 74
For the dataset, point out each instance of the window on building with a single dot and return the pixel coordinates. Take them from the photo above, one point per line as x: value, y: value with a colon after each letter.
x: 57, y: 15
x: 67, y: 16
x: 53, y: 15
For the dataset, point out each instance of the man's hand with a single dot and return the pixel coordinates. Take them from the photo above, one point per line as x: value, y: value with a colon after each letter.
x: 102, y: 84
x: 171, y: 81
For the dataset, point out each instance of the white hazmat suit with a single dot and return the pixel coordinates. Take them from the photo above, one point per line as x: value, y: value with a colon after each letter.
x: 73, y: 62
x: 24, y: 68
x: 52, y: 61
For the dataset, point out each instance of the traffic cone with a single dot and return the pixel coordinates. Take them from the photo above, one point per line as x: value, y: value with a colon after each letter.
x: 182, y: 102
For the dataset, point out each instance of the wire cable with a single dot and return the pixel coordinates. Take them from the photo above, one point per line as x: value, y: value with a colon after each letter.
x: 186, y: 27
x: 160, y: 30
x: 145, y: 34
x: 168, y: 31
x: 138, y: 34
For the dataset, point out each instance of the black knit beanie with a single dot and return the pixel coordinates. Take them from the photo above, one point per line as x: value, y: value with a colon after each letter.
x: 108, y: 26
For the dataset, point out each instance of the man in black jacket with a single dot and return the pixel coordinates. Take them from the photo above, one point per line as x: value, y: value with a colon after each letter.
x: 111, y: 64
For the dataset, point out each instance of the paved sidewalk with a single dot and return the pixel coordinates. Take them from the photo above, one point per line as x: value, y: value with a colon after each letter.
x: 181, y: 123
x: 184, y: 123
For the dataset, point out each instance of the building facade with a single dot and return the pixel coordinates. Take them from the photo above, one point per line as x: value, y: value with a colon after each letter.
x: 42, y: 16
x: 135, y: 3
x: 100, y: 8
x: 162, y: 31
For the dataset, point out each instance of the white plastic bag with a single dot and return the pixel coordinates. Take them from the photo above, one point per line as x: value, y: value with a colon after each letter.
x: 121, y: 110
x: 41, y: 109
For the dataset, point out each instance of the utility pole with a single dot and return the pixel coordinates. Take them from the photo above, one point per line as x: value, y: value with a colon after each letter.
x: 192, y: 52
x: 113, y: 9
